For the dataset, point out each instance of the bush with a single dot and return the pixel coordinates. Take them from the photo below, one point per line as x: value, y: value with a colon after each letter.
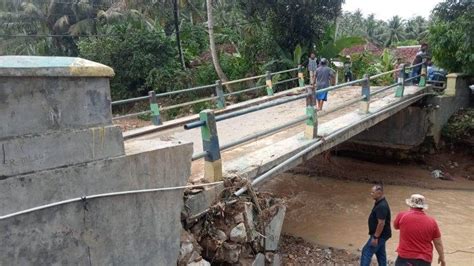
x: 451, y: 36
x: 140, y: 57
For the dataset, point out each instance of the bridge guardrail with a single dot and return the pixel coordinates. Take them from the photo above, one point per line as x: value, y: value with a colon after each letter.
x: 211, y: 155
x: 155, y: 108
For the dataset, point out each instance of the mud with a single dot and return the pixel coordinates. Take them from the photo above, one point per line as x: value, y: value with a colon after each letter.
x: 333, y: 212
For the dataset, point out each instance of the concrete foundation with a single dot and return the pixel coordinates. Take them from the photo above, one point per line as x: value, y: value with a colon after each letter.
x: 58, y: 143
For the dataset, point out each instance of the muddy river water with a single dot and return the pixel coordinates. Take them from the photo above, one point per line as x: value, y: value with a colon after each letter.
x: 334, y: 213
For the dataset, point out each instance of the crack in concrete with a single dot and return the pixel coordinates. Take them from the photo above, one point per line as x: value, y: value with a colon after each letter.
x: 4, y: 155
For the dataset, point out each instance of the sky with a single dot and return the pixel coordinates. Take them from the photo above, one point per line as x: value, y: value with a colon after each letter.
x: 385, y: 9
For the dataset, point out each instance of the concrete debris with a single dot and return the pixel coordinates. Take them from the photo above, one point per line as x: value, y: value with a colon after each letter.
x: 236, y: 232
x: 190, y: 249
x: 220, y: 235
x: 239, y: 233
x: 438, y: 174
x: 259, y: 260
x: 239, y: 218
x: 273, y: 229
x: 202, y: 262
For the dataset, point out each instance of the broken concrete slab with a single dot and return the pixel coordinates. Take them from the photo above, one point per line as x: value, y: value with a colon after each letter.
x: 197, y: 204
x: 259, y: 260
x: 273, y: 229
x: 52, y: 149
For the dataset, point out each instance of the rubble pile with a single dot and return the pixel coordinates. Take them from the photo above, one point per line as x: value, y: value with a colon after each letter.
x: 245, y: 231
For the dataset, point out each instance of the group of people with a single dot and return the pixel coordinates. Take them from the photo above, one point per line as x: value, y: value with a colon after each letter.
x: 417, y: 233
x: 322, y: 76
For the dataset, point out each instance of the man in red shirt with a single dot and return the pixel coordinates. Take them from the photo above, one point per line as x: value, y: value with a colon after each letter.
x: 417, y: 231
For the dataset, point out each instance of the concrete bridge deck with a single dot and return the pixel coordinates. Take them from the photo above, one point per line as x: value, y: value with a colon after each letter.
x: 258, y: 156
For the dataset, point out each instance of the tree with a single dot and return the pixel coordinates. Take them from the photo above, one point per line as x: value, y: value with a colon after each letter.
x: 176, y: 24
x: 417, y: 28
x: 451, y: 38
x: 394, y: 32
x: 212, y: 44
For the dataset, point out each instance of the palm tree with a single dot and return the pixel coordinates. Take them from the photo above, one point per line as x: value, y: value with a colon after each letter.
x: 417, y: 28
x: 395, y: 31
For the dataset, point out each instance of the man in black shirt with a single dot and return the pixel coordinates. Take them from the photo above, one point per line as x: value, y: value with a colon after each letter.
x: 379, y: 229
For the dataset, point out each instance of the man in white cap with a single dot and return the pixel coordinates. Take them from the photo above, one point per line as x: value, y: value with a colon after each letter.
x: 417, y: 232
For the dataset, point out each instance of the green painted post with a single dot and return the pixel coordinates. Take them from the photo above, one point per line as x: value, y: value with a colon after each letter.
x: 364, y: 104
x: 220, y: 93
x: 422, y: 82
x: 300, y: 76
x: 210, y: 144
x: 310, y: 99
x: 311, y: 128
x: 155, y: 109
x: 401, y: 80
x: 269, y: 83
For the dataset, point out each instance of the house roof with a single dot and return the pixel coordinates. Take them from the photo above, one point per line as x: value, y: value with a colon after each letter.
x: 357, y: 49
x: 407, y: 53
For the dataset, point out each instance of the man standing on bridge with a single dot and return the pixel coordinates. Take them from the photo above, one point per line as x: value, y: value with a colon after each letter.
x: 417, y: 231
x: 379, y: 229
x: 325, y: 76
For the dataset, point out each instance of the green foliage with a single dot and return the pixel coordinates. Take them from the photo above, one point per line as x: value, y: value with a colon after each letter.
x: 460, y: 126
x: 142, y: 59
x: 451, y: 36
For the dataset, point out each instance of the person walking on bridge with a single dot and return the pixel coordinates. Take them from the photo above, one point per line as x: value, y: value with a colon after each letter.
x: 379, y: 229
x: 312, y: 66
x: 325, y: 76
x: 417, y: 232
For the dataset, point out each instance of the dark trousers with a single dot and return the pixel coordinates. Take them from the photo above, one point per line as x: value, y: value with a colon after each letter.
x: 348, y: 77
x: 368, y: 252
x: 411, y: 262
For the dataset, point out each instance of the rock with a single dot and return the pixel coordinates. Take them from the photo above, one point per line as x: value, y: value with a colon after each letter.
x: 202, y: 262
x: 220, y: 235
x: 273, y: 229
x: 231, y: 252
x: 455, y: 164
x: 239, y: 218
x: 238, y: 234
x: 259, y: 260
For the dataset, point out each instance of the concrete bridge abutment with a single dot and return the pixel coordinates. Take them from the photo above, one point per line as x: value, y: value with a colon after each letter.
x: 423, y: 121
x: 57, y: 142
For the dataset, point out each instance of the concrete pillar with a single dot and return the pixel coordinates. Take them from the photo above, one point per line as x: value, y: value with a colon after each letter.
x: 455, y: 81
x: 220, y: 94
x: 269, y: 83
x: 54, y: 111
x: 155, y: 109
x: 422, y: 82
x: 364, y: 104
x: 300, y: 76
x: 401, y: 80
x: 311, y: 127
x: 210, y: 144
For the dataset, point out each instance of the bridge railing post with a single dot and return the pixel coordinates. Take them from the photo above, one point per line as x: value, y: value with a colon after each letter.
x: 269, y: 83
x: 311, y: 127
x: 220, y: 94
x: 364, y: 104
x: 155, y: 109
x: 422, y: 82
x: 300, y: 76
x: 401, y: 80
x: 210, y: 144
